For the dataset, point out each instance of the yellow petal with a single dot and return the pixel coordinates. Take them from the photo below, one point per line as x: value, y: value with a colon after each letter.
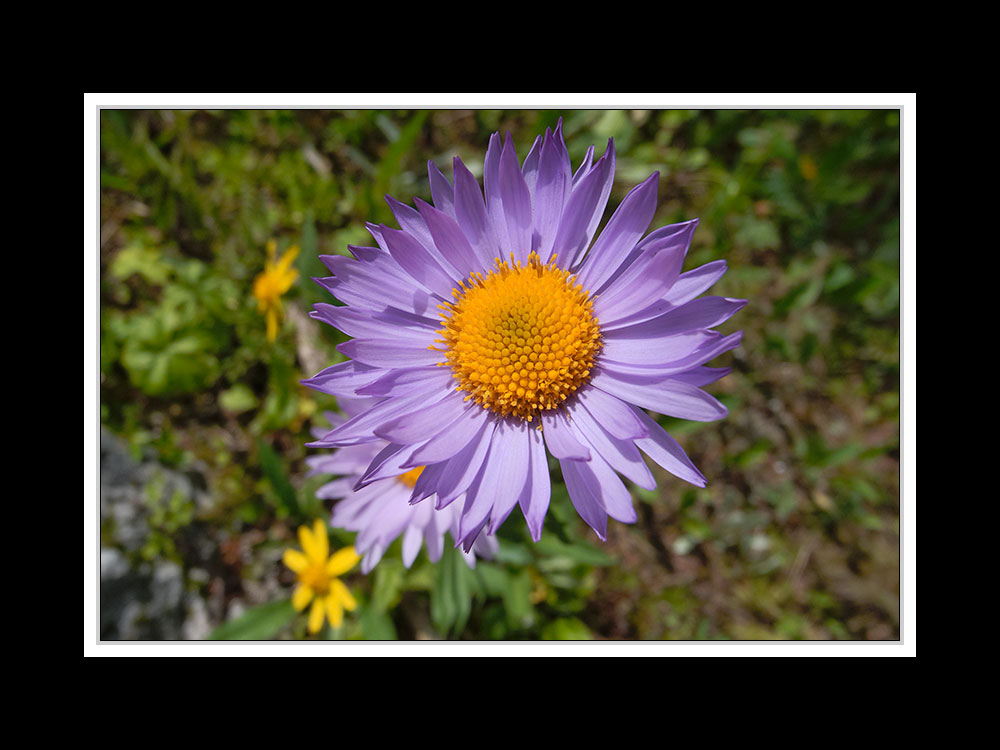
x: 258, y: 291
x: 316, y: 615
x: 342, y: 561
x: 321, y: 539
x: 306, y: 540
x: 343, y: 594
x: 286, y: 280
x: 286, y: 259
x: 301, y: 597
x: 295, y: 560
x: 334, y: 610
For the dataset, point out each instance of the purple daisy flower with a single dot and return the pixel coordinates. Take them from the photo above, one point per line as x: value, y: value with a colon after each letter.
x: 378, y: 506
x: 491, y: 332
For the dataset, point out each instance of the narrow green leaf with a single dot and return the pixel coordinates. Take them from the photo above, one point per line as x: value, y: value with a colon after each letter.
x: 451, y: 595
x: 258, y: 623
x: 309, y: 242
x: 389, y: 579
x: 579, y: 552
x: 270, y: 464
x: 462, y: 593
x: 442, y: 598
x: 376, y: 625
x: 393, y: 158
x: 517, y: 600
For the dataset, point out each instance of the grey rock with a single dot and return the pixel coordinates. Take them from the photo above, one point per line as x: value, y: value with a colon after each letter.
x: 142, y: 600
x: 197, y: 624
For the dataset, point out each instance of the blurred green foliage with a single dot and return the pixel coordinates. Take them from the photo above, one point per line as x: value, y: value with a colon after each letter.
x: 796, y: 535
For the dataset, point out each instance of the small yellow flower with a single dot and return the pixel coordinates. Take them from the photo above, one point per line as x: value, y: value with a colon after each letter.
x: 317, y: 571
x: 276, y: 279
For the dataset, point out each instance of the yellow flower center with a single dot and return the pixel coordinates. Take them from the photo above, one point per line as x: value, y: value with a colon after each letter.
x: 410, y: 478
x: 522, y: 338
x: 316, y: 578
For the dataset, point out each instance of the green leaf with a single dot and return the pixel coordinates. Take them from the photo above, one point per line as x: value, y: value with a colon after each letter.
x: 801, y: 296
x: 451, y: 599
x: 517, y: 600
x: 270, y: 464
x: 327, y: 633
x: 492, y: 578
x: 238, y: 399
x: 442, y: 599
x: 146, y: 262
x: 402, y: 145
x: 566, y: 629
x: 376, y: 625
x: 514, y: 553
x: 579, y: 552
x: 258, y: 623
x: 388, y: 585
x: 310, y: 241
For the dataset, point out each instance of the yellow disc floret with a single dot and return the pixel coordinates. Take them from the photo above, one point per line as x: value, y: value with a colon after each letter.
x: 520, y: 339
x: 410, y: 478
